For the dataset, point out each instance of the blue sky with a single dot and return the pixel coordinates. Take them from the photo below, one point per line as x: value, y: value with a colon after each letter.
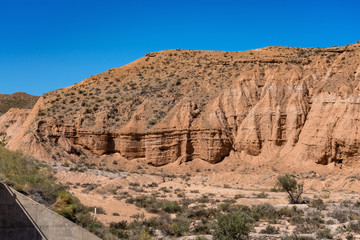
x: 46, y: 45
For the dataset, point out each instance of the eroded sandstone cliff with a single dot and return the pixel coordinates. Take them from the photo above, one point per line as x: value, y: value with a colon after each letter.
x: 271, y: 103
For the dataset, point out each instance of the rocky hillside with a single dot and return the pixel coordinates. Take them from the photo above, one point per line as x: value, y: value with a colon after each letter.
x: 16, y: 100
x: 273, y: 104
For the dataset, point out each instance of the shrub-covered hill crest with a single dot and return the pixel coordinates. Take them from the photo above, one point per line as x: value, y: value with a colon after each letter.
x: 16, y: 100
x: 273, y: 104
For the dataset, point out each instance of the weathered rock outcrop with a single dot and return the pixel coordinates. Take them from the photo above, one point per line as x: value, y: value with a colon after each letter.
x: 11, y: 121
x: 267, y: 103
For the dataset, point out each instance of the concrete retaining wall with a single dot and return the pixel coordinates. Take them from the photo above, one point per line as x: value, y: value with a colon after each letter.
x: 52, y: 225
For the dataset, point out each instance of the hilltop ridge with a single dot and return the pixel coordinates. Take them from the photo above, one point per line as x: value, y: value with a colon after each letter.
x: 16, y: 100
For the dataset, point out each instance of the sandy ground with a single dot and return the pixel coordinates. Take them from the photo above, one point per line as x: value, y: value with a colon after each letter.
x: 201, y: 179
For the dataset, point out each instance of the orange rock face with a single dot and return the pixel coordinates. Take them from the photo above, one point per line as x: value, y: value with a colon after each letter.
x: 276, y: 102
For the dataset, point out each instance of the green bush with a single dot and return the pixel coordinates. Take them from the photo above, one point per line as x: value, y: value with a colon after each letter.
x: 339, y: 215
x: 354, y: 227
x: 29, y: 176
x: 318, y: 204
x: 237, y: 196
x: 122, y: 225
x: 270, y: 230
x: 262, y: 195
x: 324, y: 234
x: 296, y: 237
x: 66, y: 205
x: 200, y: 238
x: 290, y: 212
x: 202, y: 213
x: 171, y: 207
x: 293, y: 189
x: 176, y: 228
x: 264, y: 211
x: 202, y: 228
x: 233, y: 225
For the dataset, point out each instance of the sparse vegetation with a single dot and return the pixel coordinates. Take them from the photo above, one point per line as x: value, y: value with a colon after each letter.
x: 27, y: 175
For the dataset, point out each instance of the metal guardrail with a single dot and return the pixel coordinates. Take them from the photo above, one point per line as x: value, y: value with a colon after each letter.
x: 25, y: 211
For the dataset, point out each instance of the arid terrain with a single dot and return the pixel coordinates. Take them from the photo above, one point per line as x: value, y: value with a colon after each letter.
x: 184, y: 136
x: 16, y: 100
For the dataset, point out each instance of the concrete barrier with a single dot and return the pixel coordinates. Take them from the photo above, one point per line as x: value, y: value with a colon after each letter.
x: 50, y: 224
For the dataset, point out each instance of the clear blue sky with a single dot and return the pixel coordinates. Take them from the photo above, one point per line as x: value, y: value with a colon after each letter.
x: 46, y: 45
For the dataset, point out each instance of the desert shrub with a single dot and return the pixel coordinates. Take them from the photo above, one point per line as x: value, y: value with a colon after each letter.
x: 225, y: 207
x: 134, y: 184
x: 293, y: 189
x: 156, y: 222
x: 89, y: 187
x: 66, y: 205
x: 261, y: 195
x: 325, y: 193
x: 339, y: 215
x: 149, y: 203
x: 233, y: 225
x: 276, y: 189
x: 153, y: 184
x: 264, y: 211
x: 318, y: 204
x: 297, y: 219
x: 270, y: 230
x: 130, y: 200
x: 304, y: 228
x: 324, y: 234
x: 171, y: 207
x: 177, y: 228
x: 231, y: 201
x: 354, y: 227
x: 119, y: 225
x: 141, y: 234
x: 290, y: 212
x: 201, y: 213
x: 315, y: 221
x: 202, y: 228
x: 92, y: 224
x: 200, y: 238
x: 71, y: 208
x: 357, y: 204
x: 237, y: 196
x: 346, y: 203
x: 350, y: 237
x: 165, y: 190
x: 180, y: 195
x: 99, y: 210
x: 296, y: 237
x: 119, y: 233
x: 203, y: 199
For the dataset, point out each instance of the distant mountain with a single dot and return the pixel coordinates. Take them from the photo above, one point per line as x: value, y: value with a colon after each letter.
x: 16, y: 100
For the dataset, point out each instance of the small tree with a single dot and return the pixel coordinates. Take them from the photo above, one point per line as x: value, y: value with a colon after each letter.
x: 234, y: 225
x: 289, y: 185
